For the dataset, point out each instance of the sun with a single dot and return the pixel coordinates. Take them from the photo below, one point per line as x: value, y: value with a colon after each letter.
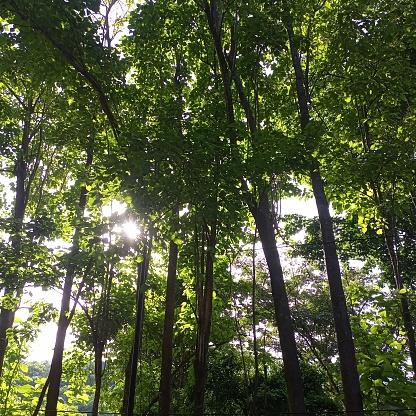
x: 130, y: 229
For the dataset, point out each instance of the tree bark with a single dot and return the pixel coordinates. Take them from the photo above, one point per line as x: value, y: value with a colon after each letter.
x: 264, y: 223
x: 167, y: 341
x: 204, y: 296
x: 254, y: 313
x: 98, y: 373
x: 12, y: 287
x: 404, y: 301
x: 55, y: 372
x: 127, y: 382
x: 99, y: 329
x: 349, y: 373
x: 346, y: 350
x: 6, y: 322
x: 262, y: 216
x: 138, y: 331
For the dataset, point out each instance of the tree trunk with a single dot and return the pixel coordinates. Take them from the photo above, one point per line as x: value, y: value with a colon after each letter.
x: 55, y: 372
x: 127, y: 382
x: 99, y: 329
x: 138, y: 331
x: 98, y: 372
x: 254, y: 313
x: 262, y: 216
x: 6, y: 322
x: 204, y: 296
x: 12, y: 287
x: 404, y: 301
x: 264, y: 223
x: 346, y: 350
x: 167, y: 341
x: 243, y: 361
x: 261, y: 213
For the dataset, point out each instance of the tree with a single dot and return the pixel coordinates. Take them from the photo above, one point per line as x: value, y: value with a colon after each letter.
x: 260, y: 210
x: 200, y: 120
x: 26, y: 142
x: 350, y: 378
x: 379, y: 105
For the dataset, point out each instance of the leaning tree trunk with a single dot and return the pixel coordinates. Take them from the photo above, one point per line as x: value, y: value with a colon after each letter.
x: 346, y: 350
x: 264, y: 223
x: 261, y: 214
x: 349, y: 373
x: 404, y: 301
x: 55, y: 372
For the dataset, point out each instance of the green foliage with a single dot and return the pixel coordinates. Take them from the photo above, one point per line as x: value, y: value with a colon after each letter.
x: 380, y: 342
x: 152, y: 112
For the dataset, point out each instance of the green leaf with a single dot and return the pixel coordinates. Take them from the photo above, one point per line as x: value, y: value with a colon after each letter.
x: 178, y: 241
x: 378, y: 382
x: 26, y: 388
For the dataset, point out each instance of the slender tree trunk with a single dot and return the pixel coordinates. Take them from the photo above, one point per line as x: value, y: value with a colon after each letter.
x: 265, y: 387
x: 137, y: 342
x: 138, y: 331
x: 167, y: 341
x: 390, y: 234
x: 55, y: 372
x: 6, y: 322
x: 204, y: 320
x: 74, y: 60
x: 254, y: 313
x: 213, y: 12
x: 264, y: 223
x: 99, y: 329
x: 404, y: 301
x: 12, y: 287
x: 127, y: 382
x: 346, y: 350
x: 262, y: 215
x: 243, y: 361
x: 98, y: 373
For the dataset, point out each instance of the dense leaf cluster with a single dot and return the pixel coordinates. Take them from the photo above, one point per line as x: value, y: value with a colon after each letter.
x: 129, y: 131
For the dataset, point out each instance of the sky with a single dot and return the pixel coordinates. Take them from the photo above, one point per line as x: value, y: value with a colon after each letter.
x: 42, y: 348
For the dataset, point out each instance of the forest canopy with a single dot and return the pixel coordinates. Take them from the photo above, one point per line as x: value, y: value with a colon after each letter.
x: 198, y: 118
